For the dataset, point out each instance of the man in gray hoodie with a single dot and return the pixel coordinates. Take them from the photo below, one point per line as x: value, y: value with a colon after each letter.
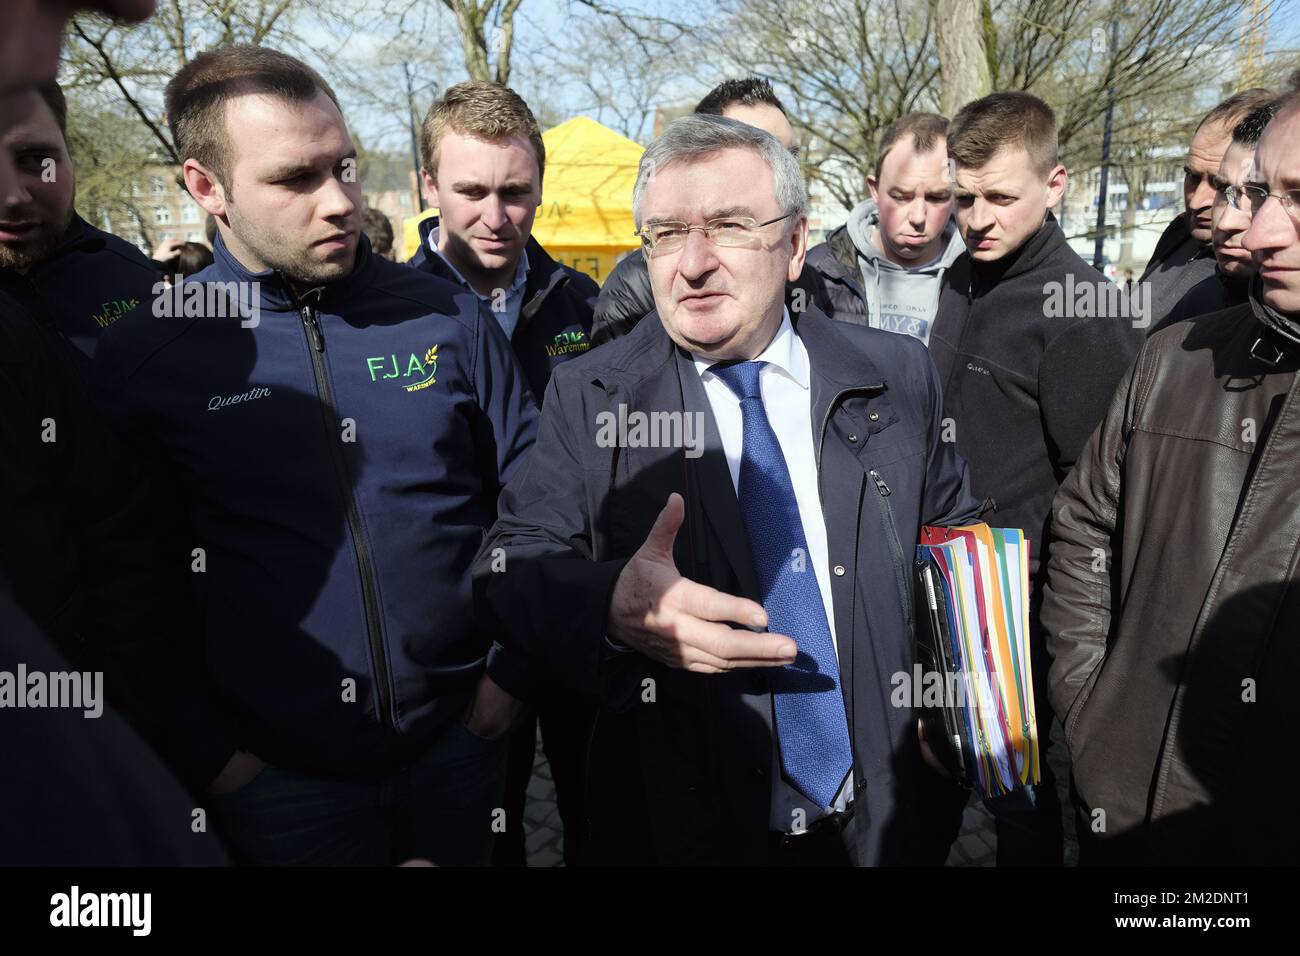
x: 885, y: 266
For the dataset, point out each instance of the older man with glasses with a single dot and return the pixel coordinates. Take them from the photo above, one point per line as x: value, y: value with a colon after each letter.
x: 1230, y: 219
x: 713, y: 535
x: 1172, y: 608
x: 625, y: 297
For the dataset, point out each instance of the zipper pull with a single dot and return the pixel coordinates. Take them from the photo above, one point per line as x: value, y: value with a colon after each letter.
x: 307, y: 303
x: 313, y: 328
x: 880, y: 484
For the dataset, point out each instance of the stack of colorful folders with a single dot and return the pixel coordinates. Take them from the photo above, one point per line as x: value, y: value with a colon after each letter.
x: 972, y: 596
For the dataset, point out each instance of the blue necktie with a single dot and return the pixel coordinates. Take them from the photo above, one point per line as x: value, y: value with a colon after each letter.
x: 810, y: 722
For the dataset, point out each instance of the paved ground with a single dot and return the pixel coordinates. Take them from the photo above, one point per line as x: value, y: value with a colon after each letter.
x: 542, y: 827
x: 975, y: 846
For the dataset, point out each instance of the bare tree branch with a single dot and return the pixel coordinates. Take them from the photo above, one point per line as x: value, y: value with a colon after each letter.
x: 163, y: 140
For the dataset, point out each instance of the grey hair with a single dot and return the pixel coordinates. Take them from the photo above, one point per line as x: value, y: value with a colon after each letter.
x: 702, y: 134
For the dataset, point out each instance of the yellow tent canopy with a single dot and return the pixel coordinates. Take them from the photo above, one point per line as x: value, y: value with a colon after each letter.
x: 585, y: 220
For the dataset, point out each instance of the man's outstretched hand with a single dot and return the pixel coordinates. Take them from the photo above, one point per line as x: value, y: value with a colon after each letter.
x: 684, y: 624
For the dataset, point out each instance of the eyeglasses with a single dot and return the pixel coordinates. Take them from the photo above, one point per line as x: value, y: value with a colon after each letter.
x: 663, y: 237
x: 1250, y: 198
x: 1231, y: 195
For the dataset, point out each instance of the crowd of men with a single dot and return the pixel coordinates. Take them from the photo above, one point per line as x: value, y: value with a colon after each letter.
x: 341, y: 532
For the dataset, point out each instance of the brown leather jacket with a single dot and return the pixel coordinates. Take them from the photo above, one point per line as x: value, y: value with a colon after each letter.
x: 1170, y: 612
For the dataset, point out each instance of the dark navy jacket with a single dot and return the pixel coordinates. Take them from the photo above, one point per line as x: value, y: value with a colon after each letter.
x: 683, y: 775
x: 82, y: 533
x: 555, y: 320
x: 342, y: 458
x: 87, y: 282
x: 81, y: 792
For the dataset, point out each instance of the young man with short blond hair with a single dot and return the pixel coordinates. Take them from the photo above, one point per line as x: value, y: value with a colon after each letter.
x: 1023, y: 386
x: 484, y: 160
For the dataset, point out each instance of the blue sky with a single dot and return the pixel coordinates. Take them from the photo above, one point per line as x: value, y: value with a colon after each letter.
x: 1285, y: 29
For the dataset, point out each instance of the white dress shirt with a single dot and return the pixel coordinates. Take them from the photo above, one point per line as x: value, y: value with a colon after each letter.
x: 787, y: 397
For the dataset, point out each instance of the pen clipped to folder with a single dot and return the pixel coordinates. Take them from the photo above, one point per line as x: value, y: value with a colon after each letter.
x: 977, y: 694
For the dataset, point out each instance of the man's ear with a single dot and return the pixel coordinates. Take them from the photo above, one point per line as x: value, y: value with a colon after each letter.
x: 799, y: 249
x: 872, y: 185
x: 1056, y: 183
x: 203, y: 185
x: 430, y: 189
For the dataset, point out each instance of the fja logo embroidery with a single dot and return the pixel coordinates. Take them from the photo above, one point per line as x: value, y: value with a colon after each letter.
x: 112, y: 311
x: 414, y: 367
x: 567, y: 343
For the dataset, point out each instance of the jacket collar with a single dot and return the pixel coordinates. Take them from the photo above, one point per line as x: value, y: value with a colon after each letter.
x: 1282, y: 332
x: 1038, y: 247
x: 836, y: 364
x: 844, y: 252
x: 276, y: 294
x: 646, y: 369
x: 545, y: 275
x: 785, y: 352
x: 80, y: 236
x: 1176, y: 247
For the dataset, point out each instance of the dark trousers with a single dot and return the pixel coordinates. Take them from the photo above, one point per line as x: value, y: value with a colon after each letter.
x: 441, y: 808
x: 939, y: 804
x: 566, y: 721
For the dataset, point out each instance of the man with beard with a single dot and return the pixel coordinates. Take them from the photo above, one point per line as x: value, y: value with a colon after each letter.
x: 341, y: 426
x: 69, y: 274
x: 79, y: 791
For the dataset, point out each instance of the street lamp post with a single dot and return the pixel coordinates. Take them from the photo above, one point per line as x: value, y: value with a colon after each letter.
x: 1097, y: 254
x: 415, y: 136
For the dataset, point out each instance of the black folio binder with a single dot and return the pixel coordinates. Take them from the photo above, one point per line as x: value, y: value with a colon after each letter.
x: 946, y: 728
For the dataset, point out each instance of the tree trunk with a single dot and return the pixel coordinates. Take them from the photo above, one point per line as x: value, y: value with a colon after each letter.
x: 505, y: 40
x: 1135, y: 181
x: 963, y: 63
x: 472, y: 21
x: 473, y: 43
